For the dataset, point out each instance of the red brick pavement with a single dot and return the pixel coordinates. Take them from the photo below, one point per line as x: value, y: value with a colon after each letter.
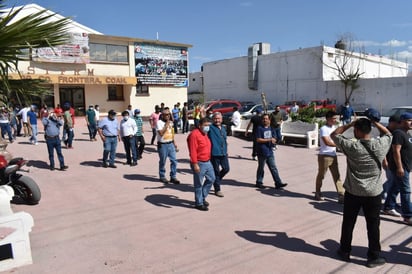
x: 97, y: 220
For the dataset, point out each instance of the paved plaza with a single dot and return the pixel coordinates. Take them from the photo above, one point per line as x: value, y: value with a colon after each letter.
x: 103, y: 220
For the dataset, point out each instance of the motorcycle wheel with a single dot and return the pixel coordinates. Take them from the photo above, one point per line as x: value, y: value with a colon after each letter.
x: 26, y: 189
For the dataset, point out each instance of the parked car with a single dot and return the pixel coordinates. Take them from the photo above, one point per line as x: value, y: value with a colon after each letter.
x: 321, y: 104
x: 394, y: 111
x: 246, y: 112
x: 288, y: 104
x: 223, y: 106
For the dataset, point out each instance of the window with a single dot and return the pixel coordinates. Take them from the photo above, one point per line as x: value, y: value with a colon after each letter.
x: 108, y: 53
x: 115, y: 93
x: 142, y: 89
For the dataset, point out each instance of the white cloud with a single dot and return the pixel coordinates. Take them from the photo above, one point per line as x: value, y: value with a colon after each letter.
x: 390, y: 43
x: 395, y: 43
x: 403, y: 55
x: 201, y: 58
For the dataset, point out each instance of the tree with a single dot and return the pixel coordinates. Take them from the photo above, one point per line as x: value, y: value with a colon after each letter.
x: 347, y: 64
x: 18, y: 38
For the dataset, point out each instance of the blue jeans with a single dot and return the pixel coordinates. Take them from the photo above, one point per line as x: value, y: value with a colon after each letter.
x: 109, y: 149
x: 203, y: 181
x: 346, y: 121
x: 277, y: 134
x: 389, y: 186
x: 402, y: 183
x: 54, y: 144
x: 92, y: 131
x: 5, y: 127
x: 165, y: 151
x: 270, y: 161
x: 153, y: 136
x: 34, y: 131
x: 130, y: 146
x: 70, y: 136
x: 217, y: 162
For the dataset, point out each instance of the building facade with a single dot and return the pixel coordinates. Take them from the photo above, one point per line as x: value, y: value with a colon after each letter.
x: 302, y: 74
x: 110, y: 71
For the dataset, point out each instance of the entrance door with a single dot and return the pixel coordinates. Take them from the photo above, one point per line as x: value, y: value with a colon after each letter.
x: 74, y: 95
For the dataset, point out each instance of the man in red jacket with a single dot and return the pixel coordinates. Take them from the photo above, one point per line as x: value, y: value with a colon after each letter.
x: 203, y: 173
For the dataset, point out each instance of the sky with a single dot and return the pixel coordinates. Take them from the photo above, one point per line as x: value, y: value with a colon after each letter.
x: 223, y: 29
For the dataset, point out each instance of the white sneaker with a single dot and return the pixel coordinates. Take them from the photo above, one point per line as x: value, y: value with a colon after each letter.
x: 35, y: 143
x: 392, y: 212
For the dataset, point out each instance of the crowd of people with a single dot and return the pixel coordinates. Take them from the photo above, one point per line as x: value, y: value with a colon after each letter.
x: 207, y: 144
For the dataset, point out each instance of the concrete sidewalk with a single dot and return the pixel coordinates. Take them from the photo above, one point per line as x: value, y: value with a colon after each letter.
x: 102, y: 220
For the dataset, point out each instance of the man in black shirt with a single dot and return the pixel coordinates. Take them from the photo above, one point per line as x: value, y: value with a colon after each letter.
x: 255, y: 122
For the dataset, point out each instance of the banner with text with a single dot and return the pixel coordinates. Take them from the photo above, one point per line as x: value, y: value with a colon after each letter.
x: 76, y: 50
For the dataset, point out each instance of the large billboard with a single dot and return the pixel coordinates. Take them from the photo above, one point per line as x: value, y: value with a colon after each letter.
x: 76, y: 50
x: 160, y: 65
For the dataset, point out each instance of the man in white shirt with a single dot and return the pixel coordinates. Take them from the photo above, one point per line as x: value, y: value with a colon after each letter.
x: 327, y: 158
x: 128, y: 130
x: 235, y: 117
x: 26, y: 124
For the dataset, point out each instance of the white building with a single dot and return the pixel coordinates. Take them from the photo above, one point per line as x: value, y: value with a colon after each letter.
x: 302, y: 74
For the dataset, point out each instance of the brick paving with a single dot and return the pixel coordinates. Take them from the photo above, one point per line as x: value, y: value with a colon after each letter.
x: 97, y: 220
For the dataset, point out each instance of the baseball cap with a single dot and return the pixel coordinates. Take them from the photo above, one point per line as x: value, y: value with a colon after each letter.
x: 406, y: 116
x: 373, y: 114
x: 137, y: 111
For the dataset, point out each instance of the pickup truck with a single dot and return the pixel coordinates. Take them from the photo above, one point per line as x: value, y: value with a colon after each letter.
x: 321, y: 104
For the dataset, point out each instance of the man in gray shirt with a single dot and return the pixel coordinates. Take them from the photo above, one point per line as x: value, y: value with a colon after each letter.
x: 363, y: 186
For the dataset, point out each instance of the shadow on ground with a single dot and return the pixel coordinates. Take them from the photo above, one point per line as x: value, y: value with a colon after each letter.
x: 168, y: 201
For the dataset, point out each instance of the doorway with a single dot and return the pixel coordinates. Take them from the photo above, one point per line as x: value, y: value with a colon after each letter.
x: 74, y: 95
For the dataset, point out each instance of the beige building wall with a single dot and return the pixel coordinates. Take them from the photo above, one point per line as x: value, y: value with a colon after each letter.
x: 168, y: 95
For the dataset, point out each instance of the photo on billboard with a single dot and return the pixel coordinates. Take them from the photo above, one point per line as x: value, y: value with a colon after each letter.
x: 160, y: 65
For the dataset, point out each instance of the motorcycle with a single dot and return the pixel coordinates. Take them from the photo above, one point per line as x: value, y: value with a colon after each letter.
x: 25, y: 188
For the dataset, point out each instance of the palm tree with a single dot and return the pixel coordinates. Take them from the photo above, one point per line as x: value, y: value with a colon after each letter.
x: 17, y: 40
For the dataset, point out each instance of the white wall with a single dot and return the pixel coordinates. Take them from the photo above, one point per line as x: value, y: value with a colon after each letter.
x: 300, y: 74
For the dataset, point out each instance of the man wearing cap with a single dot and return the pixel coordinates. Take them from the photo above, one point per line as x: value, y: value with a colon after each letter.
x: 109, y: 133
x: 140, y: 142
x: 166, y: 147
x: 363, y: 186
x: 91, y: 122
x: 400, y: 165
x: 255, y: 122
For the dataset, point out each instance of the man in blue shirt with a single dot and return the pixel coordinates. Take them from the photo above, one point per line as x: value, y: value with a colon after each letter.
x: 175, y: 113
x: 218, y: 138
x: 32, y: 118
x: 346, y: 114
x: 266, y: 141
x: 109, y: 133
x: 52, y: 125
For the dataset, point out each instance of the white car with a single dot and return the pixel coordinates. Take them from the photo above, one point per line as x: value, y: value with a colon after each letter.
x: 246, y: 113
x: 398, y: 111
